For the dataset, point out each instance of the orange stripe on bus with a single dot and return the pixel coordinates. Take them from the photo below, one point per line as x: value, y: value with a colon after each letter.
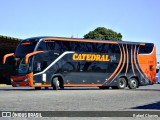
x: 116, y: 68
x: 81, y: 85
x: 143, y: 44
x: 25, y: 43
x: 71, y: 85
x: 46, y: 85
x: 30, y: 75
x: 132, y: 55
x: 126, y: 60
x: 30, y: 54
x: 137, y: 66
x: 6, y: 56
x: 81, y: 40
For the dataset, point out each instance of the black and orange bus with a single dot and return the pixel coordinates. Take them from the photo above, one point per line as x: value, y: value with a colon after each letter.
x: 67, y: 62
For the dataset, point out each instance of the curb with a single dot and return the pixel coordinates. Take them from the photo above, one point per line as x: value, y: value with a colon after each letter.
x: 3, y: 85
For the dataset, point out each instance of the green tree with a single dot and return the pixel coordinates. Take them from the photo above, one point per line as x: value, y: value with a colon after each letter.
x: 102, y: 33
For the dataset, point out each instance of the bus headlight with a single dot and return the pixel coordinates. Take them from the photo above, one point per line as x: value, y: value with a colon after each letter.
x: 26, y: 79
x: 11, y: 80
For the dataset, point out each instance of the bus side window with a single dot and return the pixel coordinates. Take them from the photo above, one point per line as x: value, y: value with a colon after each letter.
x: 58, y: 46
x: 50, y: 45
x: 146, y: 49
x: 75, y: 46
x: 42, y: 46
x: 84, y: 47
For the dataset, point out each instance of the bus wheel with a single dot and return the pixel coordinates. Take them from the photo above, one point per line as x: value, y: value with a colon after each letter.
x: 122, y: 83
x: 55, y: 83
x: 37, y: 88
x: 133, y: 83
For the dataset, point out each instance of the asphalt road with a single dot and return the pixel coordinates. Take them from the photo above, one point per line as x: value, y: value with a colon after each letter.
x: 145, y: 98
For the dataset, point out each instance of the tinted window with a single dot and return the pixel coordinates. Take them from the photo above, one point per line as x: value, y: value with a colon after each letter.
x: 69, y: 46
x: 114, y: 48
x: 84, y: 47
x: 65, y: 46
x: 50, y: 45
x: 75, y: 46
x: 98, y: 47
x: 61, y: 46
x: 24, y: 48
x: 157, y: 70
x: 146, y: 49
x: 105, y: 48
x: 42, y: 46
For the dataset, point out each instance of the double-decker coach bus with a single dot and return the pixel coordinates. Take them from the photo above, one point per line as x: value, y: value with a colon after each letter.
x: 67, y: 62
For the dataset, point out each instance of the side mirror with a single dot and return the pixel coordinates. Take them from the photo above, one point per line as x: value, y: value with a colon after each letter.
x: 6, y: 56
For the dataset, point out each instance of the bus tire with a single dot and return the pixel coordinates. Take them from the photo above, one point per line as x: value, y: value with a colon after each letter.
x: 122, y: 83
x: 37, y: 88
x: 55, y: 83
x: 133, y: 83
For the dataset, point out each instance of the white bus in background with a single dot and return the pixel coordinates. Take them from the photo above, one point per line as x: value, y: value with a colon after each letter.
x: 158, y: 73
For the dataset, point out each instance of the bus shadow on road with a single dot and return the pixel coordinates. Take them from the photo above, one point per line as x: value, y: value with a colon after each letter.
x: 151, y: 90
x: 73, y: 88
x: 17, y: 89
x: 48, y: 89
x: 153, y: 106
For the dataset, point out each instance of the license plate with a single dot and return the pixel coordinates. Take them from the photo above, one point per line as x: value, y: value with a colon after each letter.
x: 17, y: 85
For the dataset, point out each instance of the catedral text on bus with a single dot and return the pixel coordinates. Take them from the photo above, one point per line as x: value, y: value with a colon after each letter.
x: 66, y: 62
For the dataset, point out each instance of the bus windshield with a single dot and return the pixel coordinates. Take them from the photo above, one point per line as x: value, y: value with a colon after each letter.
x: 24, y: 48
x: 21, y: 68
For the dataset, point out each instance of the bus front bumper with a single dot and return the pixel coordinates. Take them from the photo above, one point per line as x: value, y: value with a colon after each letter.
x: 25, y: 81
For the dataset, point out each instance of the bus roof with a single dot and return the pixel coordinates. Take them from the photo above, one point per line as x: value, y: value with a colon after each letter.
x: 49, y: 38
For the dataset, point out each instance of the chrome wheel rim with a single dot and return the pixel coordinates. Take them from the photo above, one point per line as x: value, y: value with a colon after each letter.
x: 133, y: 84
x: 58, y: 83
x: 122, y: 84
